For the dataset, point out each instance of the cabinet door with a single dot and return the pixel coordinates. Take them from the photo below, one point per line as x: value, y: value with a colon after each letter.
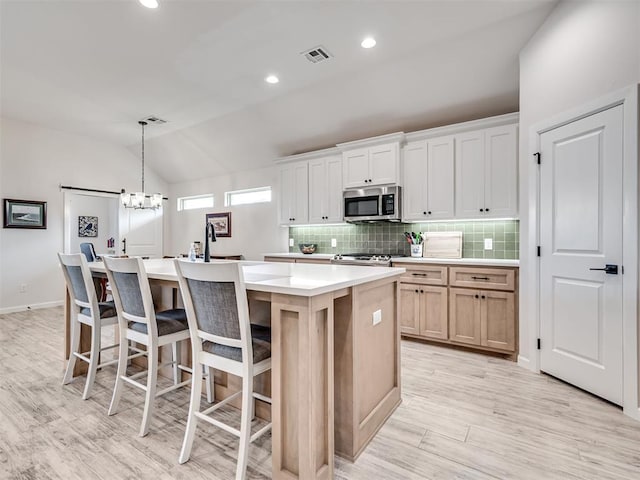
x: 300, y: 197
x: 434, y: 309
x: 501, y: 172
x: 440, y: 188
x: 356, y: 168
x: 414, y: 206
x: 464, y: 316
x: 318, y: 194
x: 410, y: 308
x: 383, y: 164
x: 333, y: 192
x: 286, y: 194
x: 498, y: 320
x: 470, y: 175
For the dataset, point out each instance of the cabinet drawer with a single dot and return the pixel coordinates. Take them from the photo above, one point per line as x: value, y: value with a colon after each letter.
x: 424, y: 274
x: 486, y: 278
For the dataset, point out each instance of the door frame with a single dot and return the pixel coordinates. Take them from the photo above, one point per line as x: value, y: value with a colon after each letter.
x: 628, y: 98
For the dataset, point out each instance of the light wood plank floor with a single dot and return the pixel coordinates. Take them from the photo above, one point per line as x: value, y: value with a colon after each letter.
x: 463, y: 416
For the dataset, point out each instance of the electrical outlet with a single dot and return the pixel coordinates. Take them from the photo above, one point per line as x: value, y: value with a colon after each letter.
x: 377, y: 317
x: 488, y: 243
x: 23, y: 288
x: 334, y: 243
x: 291, y: 242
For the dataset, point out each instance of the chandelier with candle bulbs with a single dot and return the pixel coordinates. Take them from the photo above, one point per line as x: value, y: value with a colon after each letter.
x: 137, y: 200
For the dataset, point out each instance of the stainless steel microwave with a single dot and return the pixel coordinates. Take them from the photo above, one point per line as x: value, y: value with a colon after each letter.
x: 372, y: 204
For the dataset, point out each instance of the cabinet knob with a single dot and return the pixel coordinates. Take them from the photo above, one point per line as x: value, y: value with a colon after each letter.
x: 370, y: 180
x: 421, y: 291
x: 482, y: 209
x: 483, y: 296
x: 477, y: 296
x: 416, y: 291
x: 486, y: 209
x: 429, y: 212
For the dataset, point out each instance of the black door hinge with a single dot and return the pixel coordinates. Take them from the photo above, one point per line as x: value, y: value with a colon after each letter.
x: 538, y: 344
x: 538, y: 250
x: 537, y: 155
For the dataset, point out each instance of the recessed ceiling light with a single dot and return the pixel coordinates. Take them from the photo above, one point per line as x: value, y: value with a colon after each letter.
x: 272, y: 79
x: 149, y: 3
x: 368, y: 42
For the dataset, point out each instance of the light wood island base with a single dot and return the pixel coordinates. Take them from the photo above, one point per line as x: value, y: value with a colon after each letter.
x: 335, y: 375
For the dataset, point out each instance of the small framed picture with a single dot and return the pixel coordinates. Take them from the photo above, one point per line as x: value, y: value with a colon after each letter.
x: 87, y: 226
x: 221, y: 223
x: 25, y: 214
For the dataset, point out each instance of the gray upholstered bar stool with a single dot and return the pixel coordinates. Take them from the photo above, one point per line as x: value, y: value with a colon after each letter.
x: 85, y: 309
x: 215, y: 298
x: 140, y: 323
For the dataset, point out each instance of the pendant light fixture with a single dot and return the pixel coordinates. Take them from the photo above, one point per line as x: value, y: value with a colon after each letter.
x: 137, y: 199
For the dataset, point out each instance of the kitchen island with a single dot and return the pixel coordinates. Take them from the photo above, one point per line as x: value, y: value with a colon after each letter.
x: 335, y: 357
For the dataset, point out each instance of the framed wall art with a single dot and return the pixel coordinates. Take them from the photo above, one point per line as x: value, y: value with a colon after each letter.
x: 221, y: 223
x: 87, y: 226
x: 25, y: 214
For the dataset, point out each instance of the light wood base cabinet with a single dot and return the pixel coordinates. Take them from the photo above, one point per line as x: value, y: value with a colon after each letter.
x: 476, y: 309
x: 482, y: 317
x: 423, y: 310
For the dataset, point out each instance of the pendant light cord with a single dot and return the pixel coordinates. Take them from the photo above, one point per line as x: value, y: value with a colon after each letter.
x: 142, y: 124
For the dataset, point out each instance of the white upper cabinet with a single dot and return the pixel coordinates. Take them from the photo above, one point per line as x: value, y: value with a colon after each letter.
x: 429, y: 179
x: 325, y: 190
x: 376, y: 165
x: 294, y: 194
x: 470, y: 175
x: 501, y: 171
x: 486, y: 173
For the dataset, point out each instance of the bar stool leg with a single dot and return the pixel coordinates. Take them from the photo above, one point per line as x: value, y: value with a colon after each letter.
x: 73, y: 348
x: 175, y: 348
x: 208, y: 377
x: 94, y: 359
x: 245, y: 426
x: 194, y: 406
x: 152, y: 377
x: 123, y: 359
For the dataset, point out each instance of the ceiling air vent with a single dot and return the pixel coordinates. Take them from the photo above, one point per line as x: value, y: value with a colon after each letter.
x: 153, y: 120
x: 317, y: 54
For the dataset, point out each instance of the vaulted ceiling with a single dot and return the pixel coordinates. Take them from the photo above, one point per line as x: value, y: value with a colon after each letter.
x: 97, y: 67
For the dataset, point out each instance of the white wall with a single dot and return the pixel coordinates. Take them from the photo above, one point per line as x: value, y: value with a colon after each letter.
x: 254, y: 228
x: 583, y: 51
x: 34, y: 161
x: 105, y: 208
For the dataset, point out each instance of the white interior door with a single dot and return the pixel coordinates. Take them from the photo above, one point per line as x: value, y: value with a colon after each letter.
x: 581, y: 230
x: 141, y: 232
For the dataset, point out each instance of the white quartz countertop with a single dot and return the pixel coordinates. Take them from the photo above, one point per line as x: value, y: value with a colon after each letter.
x: 323, y: 256
x: 287, y: 278
x: 480, y: 262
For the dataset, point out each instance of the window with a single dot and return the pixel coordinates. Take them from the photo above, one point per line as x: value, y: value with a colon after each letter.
x: 197, y: 201
x: 244, y: 197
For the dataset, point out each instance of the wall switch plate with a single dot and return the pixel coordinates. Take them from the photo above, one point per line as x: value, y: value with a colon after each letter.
x: 488, y: 243
x: 377, y: 317
x: 334, y: 243
x: 291, y: 242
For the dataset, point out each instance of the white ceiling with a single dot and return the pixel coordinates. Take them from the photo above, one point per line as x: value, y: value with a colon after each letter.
x: 96, y: 67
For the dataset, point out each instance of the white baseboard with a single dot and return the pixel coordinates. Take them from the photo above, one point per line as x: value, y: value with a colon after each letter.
x: 524, y: 362
x: 35, y: 306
